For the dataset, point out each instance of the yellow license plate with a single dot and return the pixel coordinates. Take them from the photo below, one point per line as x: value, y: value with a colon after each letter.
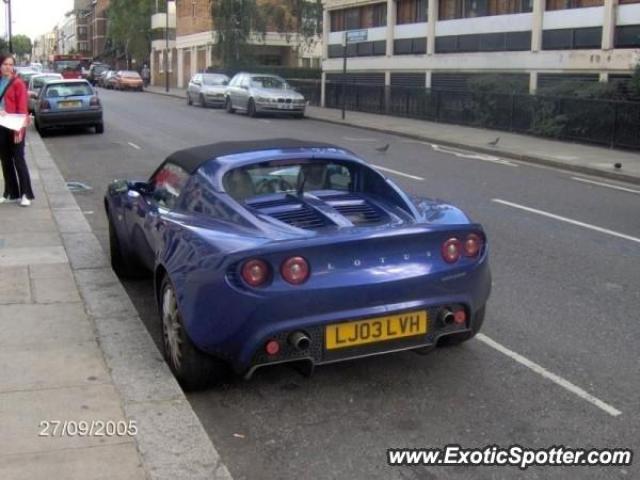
x: 70, y: 104
x: 373, y: 330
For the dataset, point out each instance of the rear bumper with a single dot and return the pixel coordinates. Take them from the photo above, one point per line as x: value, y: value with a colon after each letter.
x: 67, y: 119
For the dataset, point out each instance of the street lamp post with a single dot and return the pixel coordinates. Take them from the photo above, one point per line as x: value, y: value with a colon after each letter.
x: 8, y: 2
x: 166, y: 52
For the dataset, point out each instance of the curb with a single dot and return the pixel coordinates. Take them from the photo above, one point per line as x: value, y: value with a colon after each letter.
x: 488, y: 151
x: 171, y: 441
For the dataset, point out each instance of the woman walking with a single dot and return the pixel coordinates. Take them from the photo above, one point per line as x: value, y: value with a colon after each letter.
x: 13, y: 99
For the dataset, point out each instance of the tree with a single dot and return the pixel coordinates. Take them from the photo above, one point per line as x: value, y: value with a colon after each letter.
x: 237, y: 22
x: 129, y: 31
x: 21, y: 45
x: 4, y: 46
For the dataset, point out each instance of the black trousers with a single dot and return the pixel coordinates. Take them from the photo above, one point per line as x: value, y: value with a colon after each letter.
x: 17, y: 181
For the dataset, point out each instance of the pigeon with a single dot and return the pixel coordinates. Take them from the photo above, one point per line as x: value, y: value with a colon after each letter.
x: 494, y: 143
x: 617, y: 165
x: 383, y: 149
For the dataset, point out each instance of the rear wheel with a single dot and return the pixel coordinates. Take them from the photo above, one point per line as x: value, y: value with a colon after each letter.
x: 189, y: 101
x: 457, y: 339
x: 228, y: 106
x: 193, y: 368
x: 100, y: 128
x: 251, y: 108
x: 203, y: 102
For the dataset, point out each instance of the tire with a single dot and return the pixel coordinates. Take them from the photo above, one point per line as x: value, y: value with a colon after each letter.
x: 228, y: 106
x: 202, y: 101
x: 122, y: 262
x: 299, y: 116
x: 99, y: 128
x: 251, y: 108
x: 193, y: 368
x: 476, y: 325
x: 189, y: 101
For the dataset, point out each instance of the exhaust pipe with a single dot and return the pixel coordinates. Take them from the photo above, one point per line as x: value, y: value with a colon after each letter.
x: 446, y: 317
x: 300, y: 341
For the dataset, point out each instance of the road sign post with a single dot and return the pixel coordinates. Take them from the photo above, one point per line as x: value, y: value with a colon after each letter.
x: 350, y: 37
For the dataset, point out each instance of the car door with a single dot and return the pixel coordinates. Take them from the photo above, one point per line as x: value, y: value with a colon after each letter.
x: 165, y: 187
x: 243, y: 92
x: 234, y: 86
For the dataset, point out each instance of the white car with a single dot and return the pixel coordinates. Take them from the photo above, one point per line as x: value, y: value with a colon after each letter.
x: 207, y: 89
x: 36, y: 83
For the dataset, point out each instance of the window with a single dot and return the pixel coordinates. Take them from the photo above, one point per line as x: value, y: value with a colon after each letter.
x: 369, y: 16
x: 167, y: 183
x: 628, y: 36
x: 565, y: 4
x: 451, y: 9
x: 572, y: 38
x: 411, y: 11
x: 247, y: 182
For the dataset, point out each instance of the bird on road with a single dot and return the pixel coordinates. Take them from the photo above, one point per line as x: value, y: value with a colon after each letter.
x: 383, y: 149
x: 617, y: 165
x: 494, y: 142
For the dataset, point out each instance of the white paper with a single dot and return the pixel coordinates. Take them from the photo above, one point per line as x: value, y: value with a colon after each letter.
x: 13, y: 121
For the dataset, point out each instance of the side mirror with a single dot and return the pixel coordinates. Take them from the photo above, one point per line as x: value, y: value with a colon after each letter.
x: 118, y: 187
x: 33, y: 95
x: 225, y: 82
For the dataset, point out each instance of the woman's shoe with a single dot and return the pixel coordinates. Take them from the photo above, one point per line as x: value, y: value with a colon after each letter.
x: 24, y: 201
x: 8, y: 200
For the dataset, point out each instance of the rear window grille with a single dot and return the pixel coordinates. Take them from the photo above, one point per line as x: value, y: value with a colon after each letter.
x: 359, y: 213
x: 260, y: 205
x: 301, y: 217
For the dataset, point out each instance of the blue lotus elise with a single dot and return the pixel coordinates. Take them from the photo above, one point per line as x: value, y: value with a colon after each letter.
x: 273, y: 251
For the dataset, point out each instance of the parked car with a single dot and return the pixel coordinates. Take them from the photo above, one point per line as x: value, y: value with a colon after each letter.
x: 207, y: 89
x: 258, y: 93
x: 95, y: 71
x: 35, y: 85
x: 66, y: 103
x: 107, y: 79
x: 273, y: 251
x: 128, y: 80
x: 25, y: 73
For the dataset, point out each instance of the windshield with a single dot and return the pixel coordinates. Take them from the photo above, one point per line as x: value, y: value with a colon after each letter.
x: 214, y: 79
x: 269, y: 82
x: 68, y: 90
x: 40, y: 81
x: 67, y: 65
x: 247, y: 182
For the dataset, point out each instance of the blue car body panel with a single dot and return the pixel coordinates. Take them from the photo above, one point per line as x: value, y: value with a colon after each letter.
x: 357, y: 271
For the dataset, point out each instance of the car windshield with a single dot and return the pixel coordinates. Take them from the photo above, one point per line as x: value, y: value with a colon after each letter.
x: 68, y: 90
x: 269, y: 82
x: 40, y: 81
x: 246, y: 182
x: 214, y: 79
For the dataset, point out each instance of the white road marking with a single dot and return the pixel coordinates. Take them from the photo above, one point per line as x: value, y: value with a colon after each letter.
x: 608, y: 185
x: 472, y: 155
x: 567, y: 385
x: 134, y: 145
x: 568, y: 220
x: 264, y: 120
x: 384, y: 169
x: 88, y: 212
x: 360, y: 139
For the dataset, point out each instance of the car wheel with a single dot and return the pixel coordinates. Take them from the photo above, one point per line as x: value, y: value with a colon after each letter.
x: 251, y: 108
x: 299, y: 115
x: 122, y: 262
x: 202, y: 101
x: 457, y: 339
x: 228, y: 106
x: 189, y: 101
x: 193, y: 368
x: 100, y: 128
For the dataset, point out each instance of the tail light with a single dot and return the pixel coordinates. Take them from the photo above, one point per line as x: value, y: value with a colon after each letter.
x: 95, y: 102
x: 272, y: 347
x: 45, y: 105
x: 295, y: 270
x: 255, y: 272
x: 472, y: 245
x: 451, y: 250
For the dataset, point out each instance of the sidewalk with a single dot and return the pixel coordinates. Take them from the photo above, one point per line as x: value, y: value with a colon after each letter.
x: 587, y: 159
x: 74, y: 350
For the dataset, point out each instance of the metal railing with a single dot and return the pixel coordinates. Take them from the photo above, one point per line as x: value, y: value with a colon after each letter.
x: 605, y: 122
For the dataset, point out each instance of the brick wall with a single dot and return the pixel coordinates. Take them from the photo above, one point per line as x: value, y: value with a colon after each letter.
x: 187, y: 23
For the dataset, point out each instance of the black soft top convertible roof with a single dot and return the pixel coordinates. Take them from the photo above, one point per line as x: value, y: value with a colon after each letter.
x: 191, y: 158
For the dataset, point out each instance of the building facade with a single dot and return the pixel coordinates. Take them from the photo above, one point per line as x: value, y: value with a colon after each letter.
x: 195, y: 42
x: 442, y: 43
x: 67, y: 40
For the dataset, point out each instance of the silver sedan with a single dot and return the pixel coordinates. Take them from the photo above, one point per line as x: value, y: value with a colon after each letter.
x: 259, y: 93
x: 207, y: 89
